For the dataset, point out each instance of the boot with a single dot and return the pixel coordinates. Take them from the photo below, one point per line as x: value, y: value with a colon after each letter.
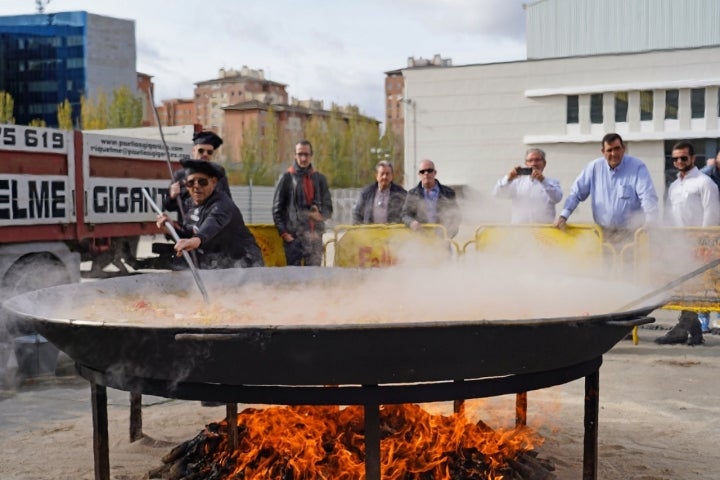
x: 676, y: 335
x: 691, y: 322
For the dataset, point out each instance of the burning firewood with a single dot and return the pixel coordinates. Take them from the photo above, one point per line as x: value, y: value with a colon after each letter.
x: 328, y: 442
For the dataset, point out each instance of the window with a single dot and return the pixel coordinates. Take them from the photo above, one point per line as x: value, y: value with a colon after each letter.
x: 646, y: 105
x: 621, y: 106
x: 573, y: 115
x: 671, y: 104
x: 697, y: 103
x: 596, y: 108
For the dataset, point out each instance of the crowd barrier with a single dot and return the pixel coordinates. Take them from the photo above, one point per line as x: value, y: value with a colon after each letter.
x: 661, y: 255
x: 655, y: 256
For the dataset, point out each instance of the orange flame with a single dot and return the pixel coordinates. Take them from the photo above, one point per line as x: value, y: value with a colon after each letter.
x: 329, y: 443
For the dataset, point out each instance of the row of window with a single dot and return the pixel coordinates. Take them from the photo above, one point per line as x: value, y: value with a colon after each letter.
x: 26, y: 43
x: 672, y: 97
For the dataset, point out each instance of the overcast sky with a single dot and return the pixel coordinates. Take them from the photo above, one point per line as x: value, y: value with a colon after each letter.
x: 331, y: 50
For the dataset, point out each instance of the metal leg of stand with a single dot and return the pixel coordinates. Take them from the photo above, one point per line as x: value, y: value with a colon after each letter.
x: 101, y: 444
x: 372, y: 441
x: 592, y: 403
x: 136, y: 432
x: 231, y: 416
x: 521, y: 409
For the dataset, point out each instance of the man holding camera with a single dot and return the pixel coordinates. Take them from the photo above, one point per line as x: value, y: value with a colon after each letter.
x: 301, y: 205
x: 533, y: 194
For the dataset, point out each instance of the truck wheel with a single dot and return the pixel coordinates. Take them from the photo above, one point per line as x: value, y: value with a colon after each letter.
x: 35, y: 271
x: 30, y: 272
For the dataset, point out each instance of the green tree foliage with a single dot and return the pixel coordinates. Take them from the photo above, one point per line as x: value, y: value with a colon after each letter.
x: 37, y: 122
x: 125, y: 110
x: 256, y: 165
x: 344, y: 145
x: 64, y: 115
x: 7, y: 106
x: 94, y: 112
x: 391, y: 149
x: 346, y: 148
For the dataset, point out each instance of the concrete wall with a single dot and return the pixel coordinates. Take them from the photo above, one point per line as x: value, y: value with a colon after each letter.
x: 110, y: 51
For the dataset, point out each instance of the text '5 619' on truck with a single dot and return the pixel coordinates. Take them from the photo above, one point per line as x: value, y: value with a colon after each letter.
x: 67, y: 197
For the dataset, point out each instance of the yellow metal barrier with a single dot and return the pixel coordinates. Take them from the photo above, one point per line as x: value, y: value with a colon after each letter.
x: 664, y: 254
x: 386, y: 245
x: 581, y: 244
x: 270, y: 243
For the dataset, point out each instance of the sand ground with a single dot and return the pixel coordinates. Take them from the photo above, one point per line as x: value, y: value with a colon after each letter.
x: 659, y: 419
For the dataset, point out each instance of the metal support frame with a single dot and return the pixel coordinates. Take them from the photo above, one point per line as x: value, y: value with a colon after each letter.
x: 369, y: 396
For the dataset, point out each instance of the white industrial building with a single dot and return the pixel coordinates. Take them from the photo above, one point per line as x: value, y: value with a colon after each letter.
x: 646, y: 69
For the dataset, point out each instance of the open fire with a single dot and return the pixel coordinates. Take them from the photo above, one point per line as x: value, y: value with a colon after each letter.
x: 328, y: 443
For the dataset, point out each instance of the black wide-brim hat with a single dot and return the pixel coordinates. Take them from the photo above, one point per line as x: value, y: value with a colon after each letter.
x: 207, y: 138
x: 200, y: 166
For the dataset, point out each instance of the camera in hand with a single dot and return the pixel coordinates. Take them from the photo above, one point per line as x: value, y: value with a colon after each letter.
x: 524, y: 171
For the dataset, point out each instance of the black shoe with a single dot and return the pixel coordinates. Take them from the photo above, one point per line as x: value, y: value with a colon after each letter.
x: 695, y: 340
x: 673, y: 337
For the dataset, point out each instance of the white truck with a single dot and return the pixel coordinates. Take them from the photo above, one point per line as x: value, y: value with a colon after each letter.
x: 68, y: 197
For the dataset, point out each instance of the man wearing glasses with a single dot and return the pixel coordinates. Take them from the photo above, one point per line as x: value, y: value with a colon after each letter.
x: 431, y: 202
x: 205, y: 145
x: 692, y: 201
x: 621, y: 192
x: 301, y: 205
x: 215, y: 229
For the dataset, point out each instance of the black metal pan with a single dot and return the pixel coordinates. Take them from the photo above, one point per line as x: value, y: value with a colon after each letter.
x: 366, y: 354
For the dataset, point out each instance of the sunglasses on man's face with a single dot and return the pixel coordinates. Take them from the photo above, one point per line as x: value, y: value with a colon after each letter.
x: 684, y: 158
x: 203, y: 151
x: 203, y: 182
x: 427, y: 170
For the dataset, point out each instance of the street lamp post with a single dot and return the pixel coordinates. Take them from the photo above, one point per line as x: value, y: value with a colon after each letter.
x: 413, y: 104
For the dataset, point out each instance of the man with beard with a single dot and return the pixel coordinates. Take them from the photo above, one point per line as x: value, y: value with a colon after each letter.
x: 692, y: 201
x: 301, y: 205
x: 382, y: 201
x: 214, y: 226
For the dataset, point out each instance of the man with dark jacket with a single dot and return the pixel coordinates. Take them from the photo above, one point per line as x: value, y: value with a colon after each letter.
x: 205, y: 144
x: 214, y: 226
x: 431, y: 202
x: 301, y: 205
x: 382, y: 201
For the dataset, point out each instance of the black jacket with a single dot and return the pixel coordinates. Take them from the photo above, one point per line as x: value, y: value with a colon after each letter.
x: 226, y: 240
x: 290, y: 209
x: 448, y: 210
x: 363, y: 211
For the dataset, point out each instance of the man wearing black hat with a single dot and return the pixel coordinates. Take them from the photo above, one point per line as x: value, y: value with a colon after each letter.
x: 204, y: 146
x: 301, y: 205
x: 214, y: 226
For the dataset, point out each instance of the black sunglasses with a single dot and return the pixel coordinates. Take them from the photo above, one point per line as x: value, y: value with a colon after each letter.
x: 203, y: 151
x: 427, y: 170
x: 682, y: 159
x: 203, y: 182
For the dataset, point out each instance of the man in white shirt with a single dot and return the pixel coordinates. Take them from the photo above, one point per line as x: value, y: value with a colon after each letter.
x: 692, y: 201
x: 533, y: 194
